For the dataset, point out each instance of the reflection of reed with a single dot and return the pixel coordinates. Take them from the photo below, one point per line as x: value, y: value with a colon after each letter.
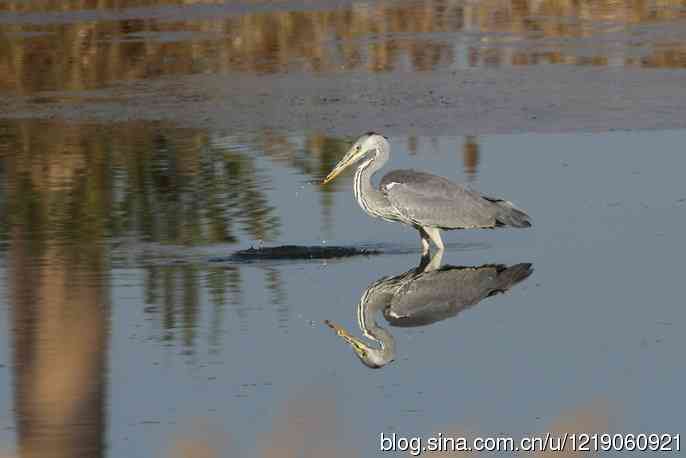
x: 172, y: 297
x: 543, y: 21
x: 94, y: 54
x: 177, y: 288
x: 216, y: 283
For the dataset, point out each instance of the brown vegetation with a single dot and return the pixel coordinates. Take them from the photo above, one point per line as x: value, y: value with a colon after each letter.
x: 83, y: 55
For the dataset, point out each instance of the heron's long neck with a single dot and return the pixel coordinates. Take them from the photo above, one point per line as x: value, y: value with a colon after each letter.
x: 369, y: 198
x: 372, y: 302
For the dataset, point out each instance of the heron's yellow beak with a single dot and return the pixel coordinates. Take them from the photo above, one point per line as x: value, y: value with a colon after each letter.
x: 334, y: 173
x: 358, y: 346
x: 350, y: 158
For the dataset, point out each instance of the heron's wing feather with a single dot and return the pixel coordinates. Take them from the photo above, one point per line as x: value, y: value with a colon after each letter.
x: 430, y: 200
x: 439, y: 294
x: 442, y: 293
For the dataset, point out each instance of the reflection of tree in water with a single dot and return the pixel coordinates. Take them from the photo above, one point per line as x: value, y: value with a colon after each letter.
x: 172, y: 295
x: 58, y: 290
x: 313, y: 156
x: 216, y: 282
x: 150, y: 185
x: 470, y: 157
x: 59, y: 329
x: 83, y: 184
x: 328, y: 151
x: 176, y: 193
x: 85, y: 55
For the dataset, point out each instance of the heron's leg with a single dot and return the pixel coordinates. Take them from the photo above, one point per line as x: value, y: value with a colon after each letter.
x: 430, y: 262
x: 425, y: 241
x: 435, y: 262
x: 435, y: 236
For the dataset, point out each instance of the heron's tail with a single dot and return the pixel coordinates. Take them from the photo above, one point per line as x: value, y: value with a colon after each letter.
x: 508, y: 215
x: 512, y: 275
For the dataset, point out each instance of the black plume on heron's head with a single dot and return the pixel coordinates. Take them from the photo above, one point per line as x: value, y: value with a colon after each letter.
x: 371, y: 132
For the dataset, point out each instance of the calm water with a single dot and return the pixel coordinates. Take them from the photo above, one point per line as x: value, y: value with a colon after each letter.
x: 122, y: 335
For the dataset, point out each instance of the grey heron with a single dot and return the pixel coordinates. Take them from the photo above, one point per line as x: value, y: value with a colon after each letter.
x: 422, y: 296
x: 424, y: 201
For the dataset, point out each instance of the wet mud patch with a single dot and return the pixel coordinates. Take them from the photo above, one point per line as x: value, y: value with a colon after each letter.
x: 296, y: 252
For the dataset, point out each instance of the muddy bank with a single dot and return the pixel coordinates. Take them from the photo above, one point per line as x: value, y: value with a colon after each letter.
x: 441, y: 102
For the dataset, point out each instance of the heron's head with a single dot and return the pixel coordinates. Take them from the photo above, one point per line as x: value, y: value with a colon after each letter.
x: 364, y: 147
x: 371, y: 357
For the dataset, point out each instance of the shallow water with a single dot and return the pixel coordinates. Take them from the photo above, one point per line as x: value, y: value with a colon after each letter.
x: 177, y: 343
x: 129, y: 332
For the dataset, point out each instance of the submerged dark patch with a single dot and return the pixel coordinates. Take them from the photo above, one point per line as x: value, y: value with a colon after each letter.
x: 301, y: 252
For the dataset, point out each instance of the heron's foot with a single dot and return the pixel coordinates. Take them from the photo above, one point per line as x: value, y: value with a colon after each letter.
x: 430, y: 261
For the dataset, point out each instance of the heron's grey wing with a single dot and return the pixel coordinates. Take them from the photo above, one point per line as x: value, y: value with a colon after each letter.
x: 440, y: 294
x: 430, y: 200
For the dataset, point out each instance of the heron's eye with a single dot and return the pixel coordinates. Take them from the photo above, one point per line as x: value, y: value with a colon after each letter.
x: 357, y: 148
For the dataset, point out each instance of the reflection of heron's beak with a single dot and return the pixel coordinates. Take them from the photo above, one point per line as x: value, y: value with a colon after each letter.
x: 344, y: 163
x: 358, y: 346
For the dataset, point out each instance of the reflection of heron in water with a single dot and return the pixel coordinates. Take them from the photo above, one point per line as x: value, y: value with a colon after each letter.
x: 423, y: 296
x: 426, y: 202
